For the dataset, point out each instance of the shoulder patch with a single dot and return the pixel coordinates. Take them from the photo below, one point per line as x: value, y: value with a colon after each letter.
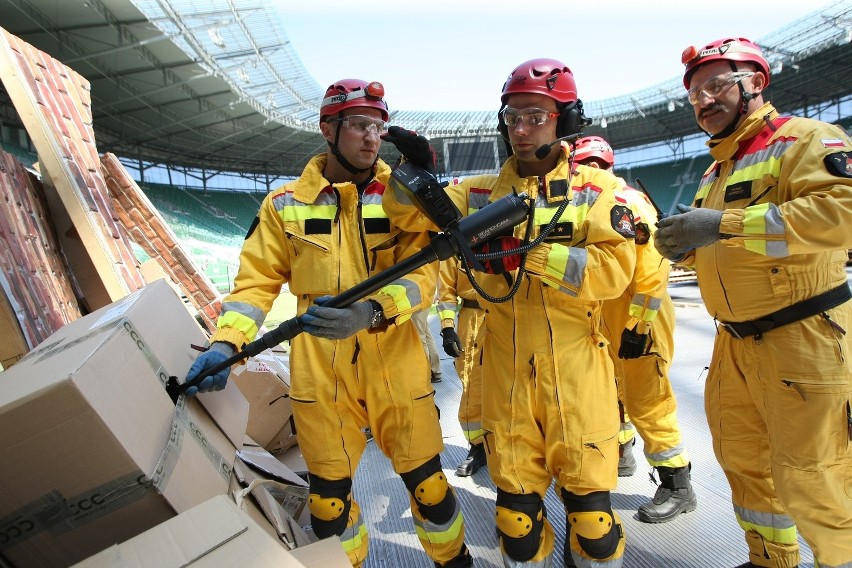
x: 839, y: 164
x: 622, y: 221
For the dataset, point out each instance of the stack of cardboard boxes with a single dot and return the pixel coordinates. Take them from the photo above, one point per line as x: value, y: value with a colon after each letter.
x: 95, y: 453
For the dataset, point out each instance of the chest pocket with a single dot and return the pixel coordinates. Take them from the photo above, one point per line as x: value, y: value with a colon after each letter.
x: 753, y: 192
x: 381, y: 248
x: 312, y: 264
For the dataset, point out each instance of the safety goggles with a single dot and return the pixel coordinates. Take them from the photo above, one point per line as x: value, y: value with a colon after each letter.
x: 527, y: 116
x: 717, y: 85
x: 362, y: 124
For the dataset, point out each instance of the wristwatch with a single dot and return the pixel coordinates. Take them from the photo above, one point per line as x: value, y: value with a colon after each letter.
x: 378, y: 318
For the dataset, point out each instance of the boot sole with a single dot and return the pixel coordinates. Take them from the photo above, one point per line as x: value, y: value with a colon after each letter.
x: 658, y: 520
x: 467, y: 470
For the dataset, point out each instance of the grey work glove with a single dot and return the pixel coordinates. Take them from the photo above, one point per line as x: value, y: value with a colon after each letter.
x: 690, y: 229
x: 452, y: 343
x: 218, y: 352
x: 336, y: 323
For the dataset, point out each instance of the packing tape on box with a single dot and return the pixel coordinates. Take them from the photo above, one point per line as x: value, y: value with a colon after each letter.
x: 57, y: 514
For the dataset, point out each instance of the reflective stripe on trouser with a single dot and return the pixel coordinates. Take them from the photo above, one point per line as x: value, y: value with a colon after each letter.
x: 549, y: 409
x: 645, y: 390
x: 441, y: 542
x: 469, y: 369
x: 354, y: 538
x: 792, y: 386
x: 334, y: 382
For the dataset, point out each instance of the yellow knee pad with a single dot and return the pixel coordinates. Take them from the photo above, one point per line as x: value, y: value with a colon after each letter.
x: 591, y: 524
x: 520, y: 520
x: 516, y: 524
x: 432, y: 490
x: 326, y: 508
x: 596, y: 530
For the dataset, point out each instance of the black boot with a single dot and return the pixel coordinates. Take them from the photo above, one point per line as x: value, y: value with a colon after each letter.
x: 462, y: 560
x: 473, y: 462
x: 626, y: 461
x: 674, y: 496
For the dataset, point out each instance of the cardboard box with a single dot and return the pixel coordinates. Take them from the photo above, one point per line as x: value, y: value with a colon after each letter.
x: 213, y: 534
x: 94, y: 450
x: 278, y: 492
x: 265, y: 382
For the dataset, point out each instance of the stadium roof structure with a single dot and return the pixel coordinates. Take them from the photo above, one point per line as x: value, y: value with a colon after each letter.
x: 215, y: 85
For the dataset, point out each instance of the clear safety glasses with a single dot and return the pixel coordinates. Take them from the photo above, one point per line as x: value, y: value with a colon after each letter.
x: 363, y: 124
x: 717, y: 85
x: 527, y: 116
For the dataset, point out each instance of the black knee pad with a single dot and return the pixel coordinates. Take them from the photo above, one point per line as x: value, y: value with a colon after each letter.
x: 520, y: 520
x: 593, y: 521
x: 329, y: 503
x: 431, y: 491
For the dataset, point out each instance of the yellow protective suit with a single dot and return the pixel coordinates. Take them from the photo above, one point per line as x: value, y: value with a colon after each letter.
x: 778, y: 403
x: 453, y: 285
x: 322, y: 239
x: 643, y: 383
x: 549, y: 407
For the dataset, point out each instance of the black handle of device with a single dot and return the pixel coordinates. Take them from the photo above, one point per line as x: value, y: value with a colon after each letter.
x: 472, y: 230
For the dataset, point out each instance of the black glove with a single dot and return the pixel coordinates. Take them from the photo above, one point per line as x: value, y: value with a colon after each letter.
x: 500, y: 264
x: 452, y: 343
x: 632, y: 344
x: 414, y: 147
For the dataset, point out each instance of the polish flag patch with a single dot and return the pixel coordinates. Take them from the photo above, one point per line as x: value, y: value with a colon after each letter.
x: 833, y: 143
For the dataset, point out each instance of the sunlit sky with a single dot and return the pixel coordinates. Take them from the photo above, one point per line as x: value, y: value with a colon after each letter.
x: 455, y: 55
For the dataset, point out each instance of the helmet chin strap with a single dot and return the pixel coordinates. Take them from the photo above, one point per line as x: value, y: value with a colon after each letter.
x: 343, y: 161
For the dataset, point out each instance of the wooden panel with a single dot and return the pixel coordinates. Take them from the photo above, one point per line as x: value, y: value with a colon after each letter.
x: 38, y: 287
x: 148, y: 229
x: 54, y: 104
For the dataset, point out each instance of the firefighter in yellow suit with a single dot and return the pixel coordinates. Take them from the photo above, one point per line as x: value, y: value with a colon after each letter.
x: 465, y: 345
x: 768, y: 235
x: 549, y: 405
x: 356, y: 367
x: 640, y: 327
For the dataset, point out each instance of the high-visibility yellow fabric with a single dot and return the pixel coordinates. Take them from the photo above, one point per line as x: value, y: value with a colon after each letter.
x: 453, y: 285
x: 549, y: 399
x: 643, y: 383
x: 322, y: 239
x: 778, y: 404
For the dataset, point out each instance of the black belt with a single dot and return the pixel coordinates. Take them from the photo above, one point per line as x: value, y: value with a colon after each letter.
x: 790, y: 314
x: 471, y: 304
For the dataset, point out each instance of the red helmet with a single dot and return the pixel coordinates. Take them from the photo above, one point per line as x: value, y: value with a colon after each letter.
x: 349, y: 93
x: 727, y: 49
x: 594, y: 147
x: 542, y: 76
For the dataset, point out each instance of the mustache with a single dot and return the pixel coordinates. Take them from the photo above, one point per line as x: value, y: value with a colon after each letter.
x: 713, y: 108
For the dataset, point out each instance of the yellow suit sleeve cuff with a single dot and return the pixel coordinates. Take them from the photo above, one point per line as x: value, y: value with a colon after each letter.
x: 537, y: 259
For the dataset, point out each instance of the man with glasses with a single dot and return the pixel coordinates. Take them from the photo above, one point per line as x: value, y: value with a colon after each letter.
x: 768, y: 233
x: 355, y: 367
x: 549, y: 403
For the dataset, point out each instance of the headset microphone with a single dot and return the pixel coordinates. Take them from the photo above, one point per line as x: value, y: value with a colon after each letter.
x: 544, y: 151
